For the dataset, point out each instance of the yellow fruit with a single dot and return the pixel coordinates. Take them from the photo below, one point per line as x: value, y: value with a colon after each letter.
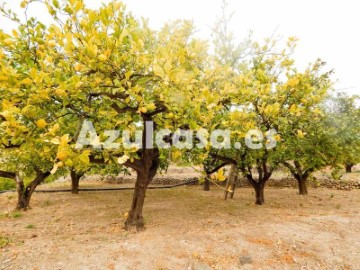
x: 23, y: 4
x: 8, y: 42
x: 61, y: 156
x: 51, y: 43
x: 78, y: 67
x: 41, y: 123
x: 60, y: 164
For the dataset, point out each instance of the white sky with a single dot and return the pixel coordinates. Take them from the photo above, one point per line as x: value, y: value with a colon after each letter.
x: 326, y: 29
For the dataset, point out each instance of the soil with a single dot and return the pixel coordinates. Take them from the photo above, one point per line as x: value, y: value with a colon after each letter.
x: 186, y: 228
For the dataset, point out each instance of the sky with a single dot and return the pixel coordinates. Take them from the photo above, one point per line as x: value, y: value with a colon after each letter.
x: 325, y: 29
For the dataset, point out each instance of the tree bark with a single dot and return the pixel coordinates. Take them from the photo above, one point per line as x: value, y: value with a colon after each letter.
x: 348, y: 168
x: 259, y: 193
x: 135, y: 216
x: 25, y: 193
x: 145, y: 174
x: 20, y: 190
x: 75, y: 179
x: 207, y: 183
x: 302, y: 182
x: 301, y: 175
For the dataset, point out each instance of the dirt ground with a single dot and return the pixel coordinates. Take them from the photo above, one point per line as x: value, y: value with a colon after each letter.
x: 186, y: 228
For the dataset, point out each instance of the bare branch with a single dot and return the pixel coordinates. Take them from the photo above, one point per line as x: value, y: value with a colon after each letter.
x: 123, y: 110
x: 224, y: 159
x: 9, y: 175
x: 109, y: 95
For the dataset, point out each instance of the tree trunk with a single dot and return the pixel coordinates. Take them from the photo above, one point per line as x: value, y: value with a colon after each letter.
x: 348, y: 168
x: 24, y: 194
x: 146, y: 171
x: 22, y: 203
x: 207, y: 183
x: 302, y: 186
x: 135, y: 217
x: 75, y: 178
x: 259, y: 193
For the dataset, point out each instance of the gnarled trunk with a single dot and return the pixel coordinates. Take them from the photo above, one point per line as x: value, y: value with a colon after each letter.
x: 23, y: 202
x: 207, y: 183
x: 75, y: 179
x: 349, y: 167
x: 302, y: 183
x: 25, y: 193
x: 135, y: 217
x: 148, y: 166
x: 259, y: 193
x: 259, y: 187
x: 300, y: 174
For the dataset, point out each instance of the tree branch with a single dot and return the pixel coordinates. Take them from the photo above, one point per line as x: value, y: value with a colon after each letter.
x: 109, y: 95
x: 123, y: 110
x: 217, y: 168
x: 224, y: 159
x: 9, y: 175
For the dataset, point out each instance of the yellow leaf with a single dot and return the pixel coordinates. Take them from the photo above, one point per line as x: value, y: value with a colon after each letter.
x: 102, y: 57
x: 300, y: 134
x: 54, y: 129
x: 151, y: 107
x: 64, y: 140
x: 60, y: 92
x: 84, y: 157
x: 158, y: 71
x: 220, y: 176
x: 176, y: 75
x: 123, y: 159
x: 15, y: 33
x: 317, y: 111
x: 6, y: 105
x: 27, y: 81
x: 293, y: 82
x: 176, y: 154
x: 8, y: 42
x: 69, y: 163
x: 293, y: 108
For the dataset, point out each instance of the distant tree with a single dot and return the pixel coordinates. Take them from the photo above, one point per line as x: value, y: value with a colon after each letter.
x: 343, y: 120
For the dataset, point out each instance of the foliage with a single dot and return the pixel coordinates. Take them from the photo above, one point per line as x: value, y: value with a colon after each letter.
x: 6, y: 184
x: 107, y: 69
x: 343, y: 120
